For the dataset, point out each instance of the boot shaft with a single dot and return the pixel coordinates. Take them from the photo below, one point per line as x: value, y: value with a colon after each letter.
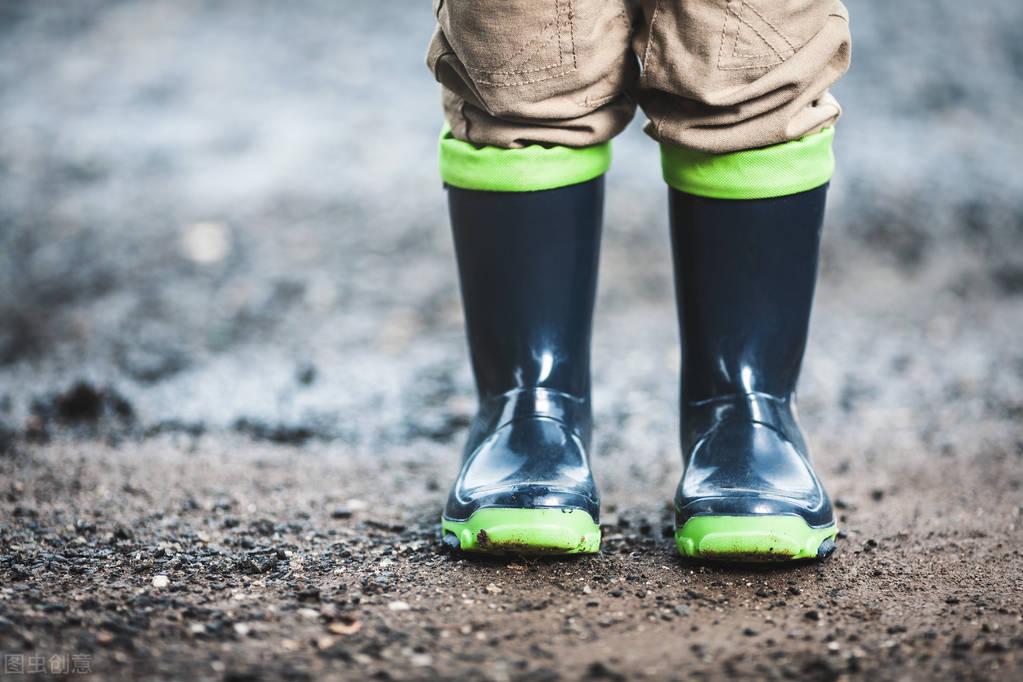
x: 527, y: 264
x: 745, y: 272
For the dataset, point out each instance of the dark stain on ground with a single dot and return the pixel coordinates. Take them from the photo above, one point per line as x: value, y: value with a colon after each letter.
x: 85, y: 403
x: 81, y: 409
x: 282, y: 434
x: 1009, y: 278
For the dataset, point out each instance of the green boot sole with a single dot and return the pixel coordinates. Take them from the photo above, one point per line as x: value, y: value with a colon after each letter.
x: 524, y: 531
x: 768, y: 538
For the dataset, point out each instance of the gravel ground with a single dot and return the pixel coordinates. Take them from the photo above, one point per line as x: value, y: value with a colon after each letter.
x: 233, y: 383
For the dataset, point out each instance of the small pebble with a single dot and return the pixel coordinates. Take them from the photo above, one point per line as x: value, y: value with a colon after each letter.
x: 341, y: 512
x: 421, y: 660
x: 345, y: 628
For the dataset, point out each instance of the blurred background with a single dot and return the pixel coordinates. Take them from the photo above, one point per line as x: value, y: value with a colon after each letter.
x: 227, y: 216
x: 234, y: 384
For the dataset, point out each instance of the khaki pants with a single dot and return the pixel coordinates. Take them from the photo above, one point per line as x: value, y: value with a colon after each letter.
x: 712, y: 76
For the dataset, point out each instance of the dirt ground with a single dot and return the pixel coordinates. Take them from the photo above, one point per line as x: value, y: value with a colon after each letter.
x: 233, y: 383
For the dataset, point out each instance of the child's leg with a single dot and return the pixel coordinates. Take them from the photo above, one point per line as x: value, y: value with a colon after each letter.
x: 533, y: 92
x: 515, y: 72
x: 723, y: 76
x: 736, y: 93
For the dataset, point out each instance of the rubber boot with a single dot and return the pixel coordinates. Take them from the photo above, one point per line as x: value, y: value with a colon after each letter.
x: 745, y: 272
x: 527, y: 263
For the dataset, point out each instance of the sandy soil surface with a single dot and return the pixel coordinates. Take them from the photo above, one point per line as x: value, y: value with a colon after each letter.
x: 233, y: 383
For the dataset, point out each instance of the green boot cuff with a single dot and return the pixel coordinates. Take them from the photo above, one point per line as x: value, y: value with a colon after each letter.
x: 775, y: 171
x: 526, y: 169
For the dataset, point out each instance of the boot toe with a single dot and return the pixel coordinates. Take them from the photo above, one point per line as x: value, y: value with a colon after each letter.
x: 749, y: 494
x: 532, y: 463
x: 749, y: 468
x: 526, y: 489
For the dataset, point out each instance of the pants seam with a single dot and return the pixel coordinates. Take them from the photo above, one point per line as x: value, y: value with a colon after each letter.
x: 742, y: 22
x: 548, y: 77
x: 497, y: 72
x: 650, y: 37
x: 599, y: 101
x: 772, y: 26
x: 571, y: 33
x: 562, y: 9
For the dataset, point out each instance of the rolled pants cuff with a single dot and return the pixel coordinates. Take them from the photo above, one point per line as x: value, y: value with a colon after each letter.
x: 775, y: 171
x: 524, y: 169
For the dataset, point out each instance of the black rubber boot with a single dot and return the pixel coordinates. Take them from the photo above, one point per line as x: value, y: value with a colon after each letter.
x: 527, y: 262
x: 745, y: 275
